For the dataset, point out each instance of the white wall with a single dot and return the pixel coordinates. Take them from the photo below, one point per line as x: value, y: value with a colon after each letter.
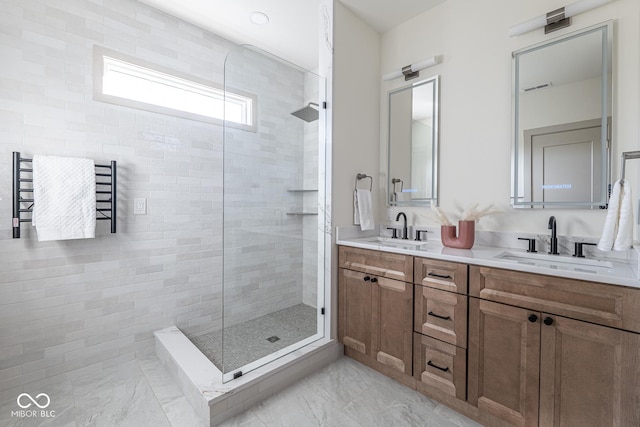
x: 355, y: 117
x: 475, y: 107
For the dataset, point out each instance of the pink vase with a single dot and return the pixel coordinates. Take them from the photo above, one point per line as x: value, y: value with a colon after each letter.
x: 464, y: 239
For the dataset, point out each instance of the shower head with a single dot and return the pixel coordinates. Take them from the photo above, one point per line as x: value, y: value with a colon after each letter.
x: 308, y: 113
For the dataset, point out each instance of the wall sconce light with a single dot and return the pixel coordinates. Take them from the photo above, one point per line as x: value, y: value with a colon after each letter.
x: 556, y: 19
x: 412, y: 71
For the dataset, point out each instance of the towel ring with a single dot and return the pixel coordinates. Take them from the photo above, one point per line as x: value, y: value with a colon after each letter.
x: 627, y: 156
x: 363, y: 176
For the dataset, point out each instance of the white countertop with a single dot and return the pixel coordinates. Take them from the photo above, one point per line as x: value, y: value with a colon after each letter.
x: 613, y: 271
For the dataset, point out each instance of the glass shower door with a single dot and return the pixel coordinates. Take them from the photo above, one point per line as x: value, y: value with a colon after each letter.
x: 273, y: 242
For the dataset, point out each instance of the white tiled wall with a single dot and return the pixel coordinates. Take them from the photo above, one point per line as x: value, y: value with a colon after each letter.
x: 93, y: 303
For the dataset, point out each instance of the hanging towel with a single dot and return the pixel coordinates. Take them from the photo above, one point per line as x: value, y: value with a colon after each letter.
x: 618, y: 224
x: 365, y: 209
x: 611, y: 220
x: 624, y: 235
x: 356, y: 213
x: 64, y: 198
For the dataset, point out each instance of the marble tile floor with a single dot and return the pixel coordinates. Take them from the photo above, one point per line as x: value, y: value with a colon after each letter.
x: 141, y: 393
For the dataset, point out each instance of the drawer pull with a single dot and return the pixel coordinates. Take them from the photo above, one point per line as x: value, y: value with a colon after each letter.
x: 431, y: 313
x: 367, y: 278
x: 374, y: 280
x: 533, y: 318
x: 439, y: 276
x: 430, y: 363
x: 548, y: 321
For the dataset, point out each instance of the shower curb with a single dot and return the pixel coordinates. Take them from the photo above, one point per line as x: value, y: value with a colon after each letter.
x: 215, y: 402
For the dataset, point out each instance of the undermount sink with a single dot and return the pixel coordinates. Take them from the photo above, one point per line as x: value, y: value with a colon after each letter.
x: 556, y: 261
x: 399, y: 242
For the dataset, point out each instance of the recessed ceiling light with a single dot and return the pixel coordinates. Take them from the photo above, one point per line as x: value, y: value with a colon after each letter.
x: 259, y: 18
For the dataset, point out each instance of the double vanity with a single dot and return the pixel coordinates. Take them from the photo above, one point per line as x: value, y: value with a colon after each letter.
x: 503, y: 336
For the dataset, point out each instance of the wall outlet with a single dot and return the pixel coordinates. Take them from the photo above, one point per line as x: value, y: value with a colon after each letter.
x: 140, y: 206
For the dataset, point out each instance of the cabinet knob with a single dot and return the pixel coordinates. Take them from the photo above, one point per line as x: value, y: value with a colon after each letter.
x: 374, y: 279
x: 548, y: 321
x: 367, y: 278
x: 533, y: 318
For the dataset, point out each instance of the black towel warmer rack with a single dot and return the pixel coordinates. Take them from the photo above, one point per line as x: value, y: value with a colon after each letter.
x: 106, y: 208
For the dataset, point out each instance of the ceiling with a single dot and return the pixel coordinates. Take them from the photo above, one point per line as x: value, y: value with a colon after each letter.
x: 292, y: 32
x: 382, y: 15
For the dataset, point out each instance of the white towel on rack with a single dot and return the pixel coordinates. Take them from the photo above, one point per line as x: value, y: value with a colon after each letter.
x: 365, y: 209
x: 624, y: 236
x: 356, y: 212
x: 618, y: 224
x: 64, y: 198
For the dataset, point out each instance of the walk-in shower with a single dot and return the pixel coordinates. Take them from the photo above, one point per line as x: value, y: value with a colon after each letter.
x: 273, y: 236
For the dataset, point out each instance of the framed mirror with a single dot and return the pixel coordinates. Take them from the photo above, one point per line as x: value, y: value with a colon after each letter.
x: 562, y: 121
x: 413, y: 144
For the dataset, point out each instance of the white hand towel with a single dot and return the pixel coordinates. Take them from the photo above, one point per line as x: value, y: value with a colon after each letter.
x: 611, y: 221
x: 64, y: 198
x: 365, y: 210
x: 624, y: 235
x: 356, y: 212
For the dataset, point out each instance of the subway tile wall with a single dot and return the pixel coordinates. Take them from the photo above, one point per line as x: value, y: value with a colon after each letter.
x: 88, y: 304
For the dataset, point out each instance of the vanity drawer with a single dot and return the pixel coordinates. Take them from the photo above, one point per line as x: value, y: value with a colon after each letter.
x: 599, y: 303
x: 445, y: 275
x: 441, y: 314
x: 439, y: 366
x: 381, y: 264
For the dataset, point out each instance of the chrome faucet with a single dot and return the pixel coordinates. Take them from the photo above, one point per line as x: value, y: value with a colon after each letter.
x: 404, y: 227
x: 553, y: 245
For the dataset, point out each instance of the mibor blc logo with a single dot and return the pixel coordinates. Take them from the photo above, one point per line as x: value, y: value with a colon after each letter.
x: 33, y: 407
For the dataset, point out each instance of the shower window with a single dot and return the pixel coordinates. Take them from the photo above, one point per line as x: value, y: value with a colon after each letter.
x: 128, y: 82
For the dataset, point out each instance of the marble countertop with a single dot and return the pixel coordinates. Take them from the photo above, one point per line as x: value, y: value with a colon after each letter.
x: 615, y: 271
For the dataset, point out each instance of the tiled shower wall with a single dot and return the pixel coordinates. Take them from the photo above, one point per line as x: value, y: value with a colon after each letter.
x: 93, y: 303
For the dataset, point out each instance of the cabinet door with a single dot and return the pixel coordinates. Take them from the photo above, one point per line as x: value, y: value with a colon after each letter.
x: 392, y: 323
x: 504, y: 356
x: 354, y: 310
x: 589, y: 375
x: 441, y: 315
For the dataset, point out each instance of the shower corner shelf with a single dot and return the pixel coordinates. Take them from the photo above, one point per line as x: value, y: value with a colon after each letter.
x: 300, y: 190
x: 302, y: 213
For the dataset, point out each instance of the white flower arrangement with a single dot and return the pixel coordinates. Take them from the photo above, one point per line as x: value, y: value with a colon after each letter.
x: 472, y: 213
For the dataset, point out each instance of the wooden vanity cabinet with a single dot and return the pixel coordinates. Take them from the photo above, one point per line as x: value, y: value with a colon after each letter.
x: 503, y: 347
x: 375, y: 310
x: 530, y: 366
